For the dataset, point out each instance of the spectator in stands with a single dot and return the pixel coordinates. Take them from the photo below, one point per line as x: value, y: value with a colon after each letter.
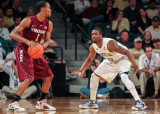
x: 147, y: 39
x: 79, y: 7
x: 109, y: 12
x: 136, y: 51
x: 144, y: 3
x: 149, y: 66
x: 92, y: 15
x: 69, y: 7
x: 5, y: 3
x: 131, y: 13
x: 8, y: 66
x: 102, y: 91
x: 17, y: 9
x: 154, y: 28
x: 124, y: 39
x: 30, y: 12
x: 152, y: 11
x: 8, y: 18
x: 156, y: 44
x: 121, y: 4
x: 3, y: 50
x: 4, y: 31
x: 142, y: 21
x: 120, y: 23
x: 17, y: 21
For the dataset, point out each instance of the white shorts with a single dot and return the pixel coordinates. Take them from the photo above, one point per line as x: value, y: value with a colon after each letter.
x: 109, y: 71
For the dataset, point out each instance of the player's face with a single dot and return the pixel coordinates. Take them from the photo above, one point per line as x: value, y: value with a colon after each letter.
x: 48, y: 10
x: 96, y: 36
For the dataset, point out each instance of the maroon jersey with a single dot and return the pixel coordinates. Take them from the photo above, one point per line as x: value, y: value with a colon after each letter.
x: 37, y: 30
x: 26, y: 66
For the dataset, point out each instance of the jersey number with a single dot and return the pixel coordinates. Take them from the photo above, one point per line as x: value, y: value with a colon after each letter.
x: 37, y: 38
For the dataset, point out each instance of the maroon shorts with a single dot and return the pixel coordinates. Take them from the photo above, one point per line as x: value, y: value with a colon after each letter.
x: 28, y: 67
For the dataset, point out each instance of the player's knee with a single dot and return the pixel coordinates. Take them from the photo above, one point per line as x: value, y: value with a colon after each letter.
x: 128, y: 83
x: 29, y: 80
x: 50, y: 77
x: 94, y: 77
x: 94, y: 81
x: 124, y: 78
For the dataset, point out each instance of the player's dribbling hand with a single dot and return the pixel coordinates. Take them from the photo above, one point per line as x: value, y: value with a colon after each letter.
x: 31, y: 44
x: 77, y: 72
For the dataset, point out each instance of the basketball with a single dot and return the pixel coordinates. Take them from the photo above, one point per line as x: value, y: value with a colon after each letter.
x: 36, y: 52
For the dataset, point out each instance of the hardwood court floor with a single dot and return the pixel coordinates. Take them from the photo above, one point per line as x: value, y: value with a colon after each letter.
x: 69, y: 105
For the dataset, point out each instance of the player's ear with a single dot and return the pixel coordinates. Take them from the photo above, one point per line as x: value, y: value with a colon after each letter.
x: 43, y: 9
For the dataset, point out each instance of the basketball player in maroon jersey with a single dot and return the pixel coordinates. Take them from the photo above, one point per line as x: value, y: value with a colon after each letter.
x: 33, y: 28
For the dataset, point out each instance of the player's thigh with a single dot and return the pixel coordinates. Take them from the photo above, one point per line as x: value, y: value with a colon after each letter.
x: 24, y: 63
x: 107, y: 71
x: 41, y: 68
x: 124, y: 66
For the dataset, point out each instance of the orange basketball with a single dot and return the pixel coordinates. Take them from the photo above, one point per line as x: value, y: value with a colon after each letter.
x: 36, y: 52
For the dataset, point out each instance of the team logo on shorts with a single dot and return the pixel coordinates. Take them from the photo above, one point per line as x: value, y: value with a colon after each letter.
x: 21, y: 55
x: 104, y: 48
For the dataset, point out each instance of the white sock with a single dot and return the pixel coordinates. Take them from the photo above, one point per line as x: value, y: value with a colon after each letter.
x: 94, y: 81
x: 130, y: 86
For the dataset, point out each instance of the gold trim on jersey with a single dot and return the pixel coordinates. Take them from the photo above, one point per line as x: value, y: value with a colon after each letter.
x: 109, y: 80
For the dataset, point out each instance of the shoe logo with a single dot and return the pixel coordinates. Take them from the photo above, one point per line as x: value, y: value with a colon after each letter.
x: 45, y: 107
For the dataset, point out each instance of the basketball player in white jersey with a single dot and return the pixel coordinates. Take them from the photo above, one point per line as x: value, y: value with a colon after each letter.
x: 115, y: 62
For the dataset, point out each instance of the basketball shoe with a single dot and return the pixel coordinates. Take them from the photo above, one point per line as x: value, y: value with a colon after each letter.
x: 15, y: 107
x: 89, y: 104
x: 139, y: 105
x: 43, y: 105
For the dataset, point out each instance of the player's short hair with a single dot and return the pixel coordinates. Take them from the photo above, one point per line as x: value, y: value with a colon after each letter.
x: 99, y: 29
x: 40, y: 5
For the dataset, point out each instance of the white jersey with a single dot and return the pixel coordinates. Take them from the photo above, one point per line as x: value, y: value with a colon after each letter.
x: 113, y: 63
x: 113, y: 57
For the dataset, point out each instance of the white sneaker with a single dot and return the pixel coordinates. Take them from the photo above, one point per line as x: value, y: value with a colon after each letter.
x: 43, y: 105
x: 140, y: 105
x: 46, y: 112
x: 15, y: 107
x: 89, y: 104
